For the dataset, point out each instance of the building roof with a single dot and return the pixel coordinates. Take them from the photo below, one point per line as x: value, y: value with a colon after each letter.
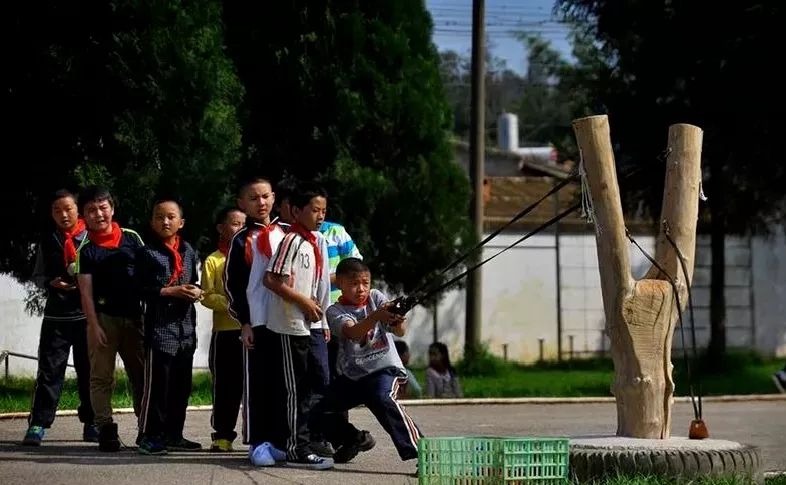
x: 510, y: 195
x: 528, y: 165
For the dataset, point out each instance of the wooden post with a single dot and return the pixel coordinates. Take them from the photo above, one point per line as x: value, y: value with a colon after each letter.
x: 641, y: 315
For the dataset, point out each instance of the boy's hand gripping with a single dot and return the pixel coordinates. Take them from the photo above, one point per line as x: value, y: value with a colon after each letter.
x: 402, y: 305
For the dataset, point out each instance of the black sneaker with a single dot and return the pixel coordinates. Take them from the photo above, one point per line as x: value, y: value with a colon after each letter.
x: 107, y: 438
x: 322, y: 448
x: 312, y: 462
x: 779, y: 378
x: 346, y: 452
x: 90, y: 433
x: 34, y: 436
x: 182, y: 444
x: 152, y: 447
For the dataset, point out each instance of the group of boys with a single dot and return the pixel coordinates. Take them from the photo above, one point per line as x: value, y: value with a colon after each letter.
x: 298, y: 335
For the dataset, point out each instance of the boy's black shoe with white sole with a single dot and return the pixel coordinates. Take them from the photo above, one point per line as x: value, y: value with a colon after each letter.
x: 346, y: 452
x: 182, y: 444
x: 322, y: 448
x: 311, y: 462
x: 779, y: 378
x: 108, y: 440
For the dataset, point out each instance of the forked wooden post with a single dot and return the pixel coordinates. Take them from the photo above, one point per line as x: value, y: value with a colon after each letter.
x: 641, y: 315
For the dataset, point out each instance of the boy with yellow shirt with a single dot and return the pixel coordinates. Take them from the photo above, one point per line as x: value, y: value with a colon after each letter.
x: 226, y: 348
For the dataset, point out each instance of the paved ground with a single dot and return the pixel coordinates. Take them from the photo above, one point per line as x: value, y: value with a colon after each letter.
x: 62, y: 461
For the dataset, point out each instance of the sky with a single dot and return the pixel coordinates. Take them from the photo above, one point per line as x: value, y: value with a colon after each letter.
x: 453, y: 27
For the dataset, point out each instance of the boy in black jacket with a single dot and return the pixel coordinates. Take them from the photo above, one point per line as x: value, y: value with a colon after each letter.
x: 105, y: 268
x: 166, y: 277
x: 64, y: 324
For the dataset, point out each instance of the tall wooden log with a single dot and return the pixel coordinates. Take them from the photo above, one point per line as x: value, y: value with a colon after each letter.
x: 641, y: 315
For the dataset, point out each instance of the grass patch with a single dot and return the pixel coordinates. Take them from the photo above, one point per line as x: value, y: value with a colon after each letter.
x: 490, y: 376
x: 16, y: 393
x: 487, y: 376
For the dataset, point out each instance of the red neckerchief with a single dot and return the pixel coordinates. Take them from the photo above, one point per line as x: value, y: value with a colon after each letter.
x: 223, y: 247
x: 312, y: 239
x: 69, y: 248
x: 178, y: 269
x: 263, y: 241
x: 110, y: 240
x: 343, y: 300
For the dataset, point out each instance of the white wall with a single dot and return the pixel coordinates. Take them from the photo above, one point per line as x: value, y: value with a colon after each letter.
x: 519, y: 298
x: 769, y: 282
x: 19, y: 331
x: 520, y: 301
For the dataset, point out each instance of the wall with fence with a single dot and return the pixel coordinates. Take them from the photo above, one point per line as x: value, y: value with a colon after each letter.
x: 525, y: 317
x: 524, y: 321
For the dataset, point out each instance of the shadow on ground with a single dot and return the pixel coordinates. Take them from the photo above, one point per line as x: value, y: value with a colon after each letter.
x: 88, y: 454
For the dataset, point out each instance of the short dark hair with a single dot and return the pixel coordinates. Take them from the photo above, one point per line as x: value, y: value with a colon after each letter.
x: 95, y: 193
x: 163, y: 200
x: 304, y: 192
x: 62, y: 194
x: 401, y: 347
x: 222, y: 215
x: 245, y: 183
x: 351, y: 266
x: 286, y: 188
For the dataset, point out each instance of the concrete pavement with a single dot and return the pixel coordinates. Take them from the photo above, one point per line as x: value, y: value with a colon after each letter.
x: 60, y: 460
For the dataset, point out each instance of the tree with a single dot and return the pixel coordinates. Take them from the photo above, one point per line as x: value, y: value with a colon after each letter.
x: 503, y: 88
x: 666, y: 70
x: 553, y: 92
x: 557, y: 91
x: 350, y: 93
x: 137, y: 95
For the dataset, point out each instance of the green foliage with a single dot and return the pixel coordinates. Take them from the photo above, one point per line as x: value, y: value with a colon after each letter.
x: 483, y: 364
x: 135, y: 95
x: 557, y: 91
x: 666, y: 71
x: 503, y: 87
x: 489, y: 376
x: 176, y: 133
x: 551, y: 94
x: 357, y: 102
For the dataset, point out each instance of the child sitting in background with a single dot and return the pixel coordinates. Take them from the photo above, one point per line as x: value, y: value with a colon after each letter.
x: 441, y: 379
x: 411, y: 389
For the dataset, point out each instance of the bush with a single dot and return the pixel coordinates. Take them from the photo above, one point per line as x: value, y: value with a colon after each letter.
x: 485, y: 364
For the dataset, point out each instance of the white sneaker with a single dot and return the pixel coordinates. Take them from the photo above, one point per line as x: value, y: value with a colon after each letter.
x: 261, y: 456
x: 277, y: 454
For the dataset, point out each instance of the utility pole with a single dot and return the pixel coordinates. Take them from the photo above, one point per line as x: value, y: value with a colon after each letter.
x: 477, y: 148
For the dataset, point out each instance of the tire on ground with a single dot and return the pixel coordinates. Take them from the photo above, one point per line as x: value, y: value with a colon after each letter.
x: 589, y: 464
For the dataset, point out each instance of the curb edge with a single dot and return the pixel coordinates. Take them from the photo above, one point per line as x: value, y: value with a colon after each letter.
x: 480, y: 402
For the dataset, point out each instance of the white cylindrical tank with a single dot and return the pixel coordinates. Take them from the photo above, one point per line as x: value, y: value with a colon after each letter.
x: 508, y: 132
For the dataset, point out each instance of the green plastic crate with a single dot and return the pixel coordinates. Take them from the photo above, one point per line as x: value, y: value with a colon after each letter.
x: 492, y: 461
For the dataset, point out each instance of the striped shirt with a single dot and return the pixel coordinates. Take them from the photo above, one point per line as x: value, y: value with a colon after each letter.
x: 340, y: 246
x: 244, y: 270
x: 295, y: 259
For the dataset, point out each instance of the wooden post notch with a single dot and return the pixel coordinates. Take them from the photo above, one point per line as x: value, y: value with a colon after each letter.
x: 641, y: 315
